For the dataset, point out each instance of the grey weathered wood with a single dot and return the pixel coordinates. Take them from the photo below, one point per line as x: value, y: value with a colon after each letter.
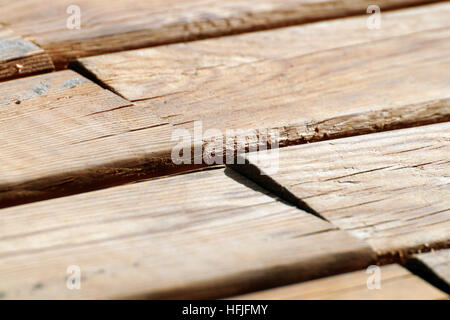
x: 20, y: 57
x: 388, y: 188
x: 201, y: 235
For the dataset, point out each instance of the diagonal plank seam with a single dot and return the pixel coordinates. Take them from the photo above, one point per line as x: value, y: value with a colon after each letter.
x: 399, y: 255
x: 419, y: 267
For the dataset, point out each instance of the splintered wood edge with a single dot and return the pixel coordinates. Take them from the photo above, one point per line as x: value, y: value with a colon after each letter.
x: 414, y: 115
x: 26, y: 62
x: 388, y: 119
x: 341, y: 127
x: 27, y: 66
x: 160, y: 164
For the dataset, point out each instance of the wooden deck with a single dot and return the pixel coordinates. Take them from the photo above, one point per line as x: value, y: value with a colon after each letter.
x: 133, y: 149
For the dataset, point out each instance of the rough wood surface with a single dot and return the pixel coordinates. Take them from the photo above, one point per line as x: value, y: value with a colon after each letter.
x: 396, y: 284
x: 62, y: 134
x: 433, y: 266
x: 164, y: 70
x: 336, y: 92
x: 388, y: 188
x: 201, y: 235
x: 20, y: 57
x: 108, y: 26
x: 232, y: 83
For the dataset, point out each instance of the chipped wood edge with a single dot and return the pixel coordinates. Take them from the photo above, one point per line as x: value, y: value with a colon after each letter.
x: 414, y: 115
x: 160, y: 164
x: 27, y: 66
x: 30, y: 63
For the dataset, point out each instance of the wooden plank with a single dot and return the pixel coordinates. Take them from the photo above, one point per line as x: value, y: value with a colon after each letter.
x: 120, y: 25
x: 19, y: 57
x: 433, y: 266
x: 63, y: 134
x: 302, y: 102
x: 359, y: 88
x: 388, y: 188
x: 163, y: 70
x: 396, y: 284
x: 201, y: 235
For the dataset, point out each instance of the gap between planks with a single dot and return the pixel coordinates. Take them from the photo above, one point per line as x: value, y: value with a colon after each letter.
x: 432, y: 266
x: 197, y: 246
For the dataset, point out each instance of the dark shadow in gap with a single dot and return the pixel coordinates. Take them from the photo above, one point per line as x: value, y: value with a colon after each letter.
x: 251, y: 177
x: 421, y: 270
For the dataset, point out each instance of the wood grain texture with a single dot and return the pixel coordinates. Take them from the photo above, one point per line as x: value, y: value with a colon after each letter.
x: 309, y: 90
x: 433, y: 266
x: 20, y: 57
x: 180, y: 237
x: 164, y: 70
x: 62, y: 134
x: 396, y: 284
x: 108, y: 26
x: 335, y: 92
x: 388, y: 188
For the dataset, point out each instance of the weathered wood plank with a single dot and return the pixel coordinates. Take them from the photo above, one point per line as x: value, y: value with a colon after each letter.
x: 62, y: 134
x: 396, y: 284
x: 185, y: 236
x: 119, y: 25
x: 304, y: 103
x: 388, y: 188
x: 433, y: 266
x: 232, y: 83
x: 19, y: 57
x: 163, y: 70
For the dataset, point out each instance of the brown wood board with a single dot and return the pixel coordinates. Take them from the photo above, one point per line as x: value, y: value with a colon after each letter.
x: 308, y: 90
x: 388, y: 188
x: 107, y: 26
x: 201, y: 235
